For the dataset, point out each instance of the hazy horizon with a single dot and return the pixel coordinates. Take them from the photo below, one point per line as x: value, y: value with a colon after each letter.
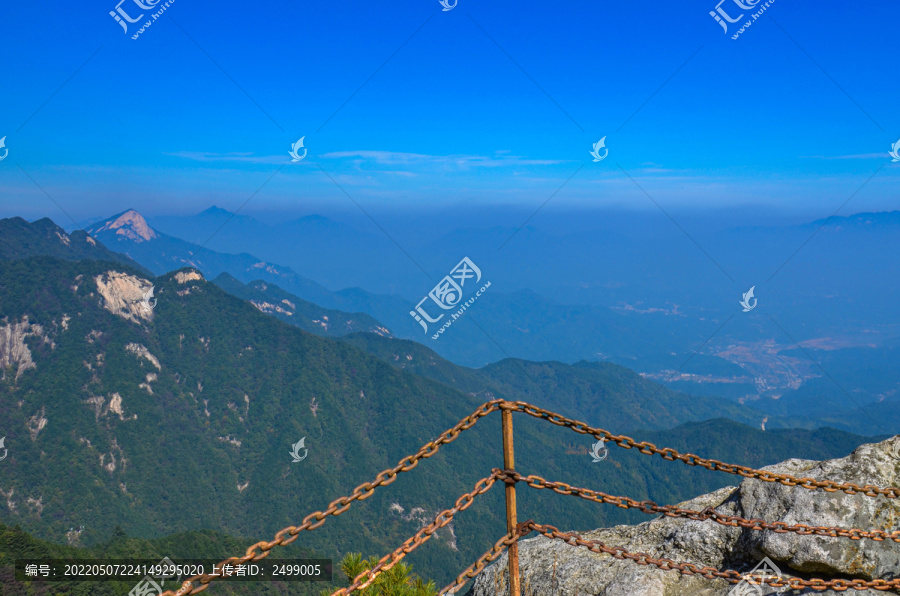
x: 559, y: 220
x: 449, y: 110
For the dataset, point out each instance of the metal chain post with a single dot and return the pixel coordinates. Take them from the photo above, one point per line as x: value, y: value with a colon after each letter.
x: 511, y: 522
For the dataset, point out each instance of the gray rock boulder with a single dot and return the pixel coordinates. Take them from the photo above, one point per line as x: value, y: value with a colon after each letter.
x: 552, y: 568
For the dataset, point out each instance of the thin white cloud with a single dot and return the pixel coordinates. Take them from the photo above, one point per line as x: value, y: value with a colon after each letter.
x: 381, y: 158
x: 501, y: 159
x: 207, y: 156
x: 858, y: 156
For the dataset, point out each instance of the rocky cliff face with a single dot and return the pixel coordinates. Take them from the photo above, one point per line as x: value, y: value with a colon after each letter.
x: 552, y: 568
x: 127, y: 296
x: 14, y: 352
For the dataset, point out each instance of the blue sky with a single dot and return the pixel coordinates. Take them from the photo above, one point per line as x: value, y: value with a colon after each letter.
x: 406, y: 106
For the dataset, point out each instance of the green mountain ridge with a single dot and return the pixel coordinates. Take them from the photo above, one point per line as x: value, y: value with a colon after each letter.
x: 21, y: 239
x: 126, y: 401
x: 182, y: 419
x: 293, y: 310
x: 599, y: 393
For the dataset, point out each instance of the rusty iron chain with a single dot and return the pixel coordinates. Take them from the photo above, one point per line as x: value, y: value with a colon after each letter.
x: 365, y: 490
x: 339, y: 506
x: 690, y: 459
x: 651, y: 507
x: 365, y: 579
x: 708, y: 513
x: 729, y: 575
x: 476, y: 567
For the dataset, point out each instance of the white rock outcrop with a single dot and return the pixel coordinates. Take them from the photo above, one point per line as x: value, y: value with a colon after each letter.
x: 183, y: 277
x: 143, y: 352
x: 36, y: 423
x: 13, y: 350
x: 125, y: 295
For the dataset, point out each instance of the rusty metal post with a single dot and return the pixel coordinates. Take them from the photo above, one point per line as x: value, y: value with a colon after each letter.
x: 509, y: 463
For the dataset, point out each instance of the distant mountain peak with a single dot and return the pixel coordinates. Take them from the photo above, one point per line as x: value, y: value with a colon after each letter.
x: 129, y: 224
x: 318, y: 221
x: 867, y: 218
x: 216, y: 210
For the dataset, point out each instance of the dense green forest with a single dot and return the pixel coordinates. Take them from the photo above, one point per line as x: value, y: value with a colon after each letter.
x: 182, y: 420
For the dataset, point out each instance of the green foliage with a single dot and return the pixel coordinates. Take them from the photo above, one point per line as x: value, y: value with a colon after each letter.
x: 396, y: 581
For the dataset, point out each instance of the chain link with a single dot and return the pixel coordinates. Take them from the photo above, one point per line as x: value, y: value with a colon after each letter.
x: 476, y: 567
x: 690, y: 459
x: 365, y: 579
x: 708, y: 513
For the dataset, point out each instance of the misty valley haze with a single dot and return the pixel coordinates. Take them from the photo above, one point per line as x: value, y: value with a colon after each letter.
x: 647, y: 318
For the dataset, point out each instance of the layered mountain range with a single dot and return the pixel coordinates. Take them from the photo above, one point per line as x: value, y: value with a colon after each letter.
x: 778, y: 359
x: 522, y: 324
x: 165, y: 404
